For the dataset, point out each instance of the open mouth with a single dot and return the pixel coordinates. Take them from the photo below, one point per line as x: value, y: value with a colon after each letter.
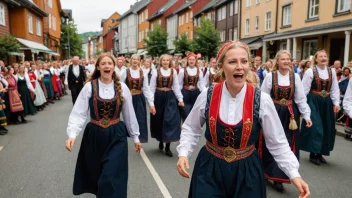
x: 107, y: 71
x: 238, y: 76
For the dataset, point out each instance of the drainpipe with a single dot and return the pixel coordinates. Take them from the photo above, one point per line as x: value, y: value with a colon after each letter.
x: 239, y: 19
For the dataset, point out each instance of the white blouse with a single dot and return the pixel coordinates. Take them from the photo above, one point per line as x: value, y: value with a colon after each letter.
x: 145, y: 88
x: 206, y: 77
x: 347, y: 99
x: 231, y: 113
x: 191, y: 72
x: 175, y: 85
x: 28, y: 81
x: 119, y: 71
x: 80, y: 110
x: 323, y: 74
x: 299, y: 95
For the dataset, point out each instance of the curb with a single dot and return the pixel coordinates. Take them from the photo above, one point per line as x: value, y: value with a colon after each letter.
x: 340, y: 129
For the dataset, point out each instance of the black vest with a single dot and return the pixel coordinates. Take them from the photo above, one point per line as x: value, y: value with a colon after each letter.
x: 72, y: 79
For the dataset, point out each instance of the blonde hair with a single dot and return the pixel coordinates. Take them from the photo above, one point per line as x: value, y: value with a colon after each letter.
x: 314, y: 61
x: 138, y: 57
x: 96, y: 74
x: 275, y: 67
x: 171, y: 65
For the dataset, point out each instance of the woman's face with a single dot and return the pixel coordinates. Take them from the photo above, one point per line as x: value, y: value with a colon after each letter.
x: 322, y: 58
x: 213, y: 63
x: 11, y: 71
x: 165, y: 62
x: 269, y: 64
x: 21, y: 69
x: 135, y: 61
x: 147, y: 64
x: 192, y: 61
x: 346, y: 72
x: 34, y: 67
x: 106, y: 67
x: 236, y: 67
x: 284, y: 62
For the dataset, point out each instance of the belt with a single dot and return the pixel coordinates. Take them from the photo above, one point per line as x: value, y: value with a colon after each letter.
x: 165, y: 89
x: 283, y: 102
x: 229, y: 154
x: 105, y: 122
x: 190, y: 88
x: 322, y: 93
x: 135, y: 92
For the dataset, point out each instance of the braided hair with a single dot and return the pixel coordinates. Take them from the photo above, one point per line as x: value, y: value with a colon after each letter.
x: 115, y: 77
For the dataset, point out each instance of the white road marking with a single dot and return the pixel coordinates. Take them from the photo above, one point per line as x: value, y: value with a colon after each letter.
x: 155, y: 175
x: 1, y: 147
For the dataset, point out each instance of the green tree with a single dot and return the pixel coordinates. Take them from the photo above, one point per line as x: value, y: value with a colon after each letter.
x: 182, y: 45
x: 156, y: 41
x: 99, y: 52
x: 8, y: 44
x: 207, y: 40
x: 71, y: 39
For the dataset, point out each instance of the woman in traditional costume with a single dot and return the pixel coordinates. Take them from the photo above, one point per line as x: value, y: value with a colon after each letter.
x: 267, y: 67
x: 33, y: 75
x: 138, y: 85
x: 147, y: 63
x: 209, y: 77
x: 48, y: 83
x: 3, y: 118
x: 234, y: 112
x: 13, y: 99
x: 286, y: 90
x: 26, y: 90
x: 165, y: 124
x: 323, y: 96
x: 191, y: 84
x: 305, y: 66
x: 102, y: 164
x: 40, y: 77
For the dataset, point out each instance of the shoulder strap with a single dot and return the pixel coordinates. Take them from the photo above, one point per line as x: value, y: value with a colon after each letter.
x: 214, y: 105
x: 247, y: 116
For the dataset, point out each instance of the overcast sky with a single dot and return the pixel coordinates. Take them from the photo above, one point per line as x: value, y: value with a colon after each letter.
x: 89, y: 13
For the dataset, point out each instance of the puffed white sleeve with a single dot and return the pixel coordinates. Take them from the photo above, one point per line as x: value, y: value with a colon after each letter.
x: 307, y: 80
x: 146, y: 91
x: 123, y: 77
x: 206, y: 78
x: 79, y: 112
x: 267, y: 83
x: 28, y: 82
x: 192, y: 128
x: 4, y: 81
x: 300, y: 98
x: 66, y: 75
x: 275, y: 138
x: 347, y: 100
x: 128, y: 114
x: 335, y: 90
x: 153, y: 85
x: 181, y: 75
x: 201, y: 82
x: 175, y: 87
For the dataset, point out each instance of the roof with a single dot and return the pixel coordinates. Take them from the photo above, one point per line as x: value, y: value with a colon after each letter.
x: 220, y: 3
x: 184, y: 6
x: 325, y: 26
x: 12, y: 2
x: 102, y: 22
x: 207, y: 7
x: 162, y: 9
x: 135, y: 8
x: 34, y: 46
x: 250, y: 40
x: 32, y: 7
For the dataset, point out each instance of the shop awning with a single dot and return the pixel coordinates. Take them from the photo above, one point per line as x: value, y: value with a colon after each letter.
x: 16, y: 54
x: 255, y: 45
x: 34, y: 46
x: 142, y: 52
x: 54, y: 54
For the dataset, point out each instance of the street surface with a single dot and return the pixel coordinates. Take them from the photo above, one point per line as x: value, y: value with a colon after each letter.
x: 35, y: 164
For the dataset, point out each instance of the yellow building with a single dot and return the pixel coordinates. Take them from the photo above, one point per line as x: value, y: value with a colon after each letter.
x: 257, y: 20
x: 305, y: 26
x: 185, y: 20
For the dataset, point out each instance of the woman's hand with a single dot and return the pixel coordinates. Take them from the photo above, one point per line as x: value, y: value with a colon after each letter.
x: 138, y: 147
x: 182, y: 164
x: 69, y: 143
x: 302, y: 187
x: 181, y: 104
x: 152, y: 110
x: 336, y: 109
x: 309, y: 123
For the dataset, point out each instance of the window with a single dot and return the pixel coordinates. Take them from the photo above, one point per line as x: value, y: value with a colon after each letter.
x: 2, y: 15
x: 142, y: 18
x: 209, y: 16
x: 146, y: 33
x: 50, y: 3
x: 343, y: 5
x: 187, y: 17
x: 100, y: 39
x: 152, y: 25
x: 256, y: 22
x: 49, y: 21
x: 235, y: 36
x: 231, y: 9
x: 313, y: 8
x: 54, y: 22
x: 139, y: 36
x: 191, y: 37
x: 223, y: 12
x: 30, y: 24
x: 182, y: 19
x: 283, y: 45
x: 222, y: 35
x: 142, y: 35
x: 236, y: 6
x: 195, y: 22
x: 286, y: 15
x: 190, y: 16
x: 230, y: 34
x: 310, y: 47
x: 267, y: 21
x: 38, y: 28
x: 219, y: 14
x: 257, y: 1
x: 246, y: 27
x: 179, y: 21
x: 248, y: 3
x: 146, y: 14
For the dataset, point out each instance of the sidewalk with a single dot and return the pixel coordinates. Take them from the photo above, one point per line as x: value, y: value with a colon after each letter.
x: 340, y: 130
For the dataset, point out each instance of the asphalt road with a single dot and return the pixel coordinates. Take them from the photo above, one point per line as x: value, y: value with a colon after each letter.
x: 35, y: 164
